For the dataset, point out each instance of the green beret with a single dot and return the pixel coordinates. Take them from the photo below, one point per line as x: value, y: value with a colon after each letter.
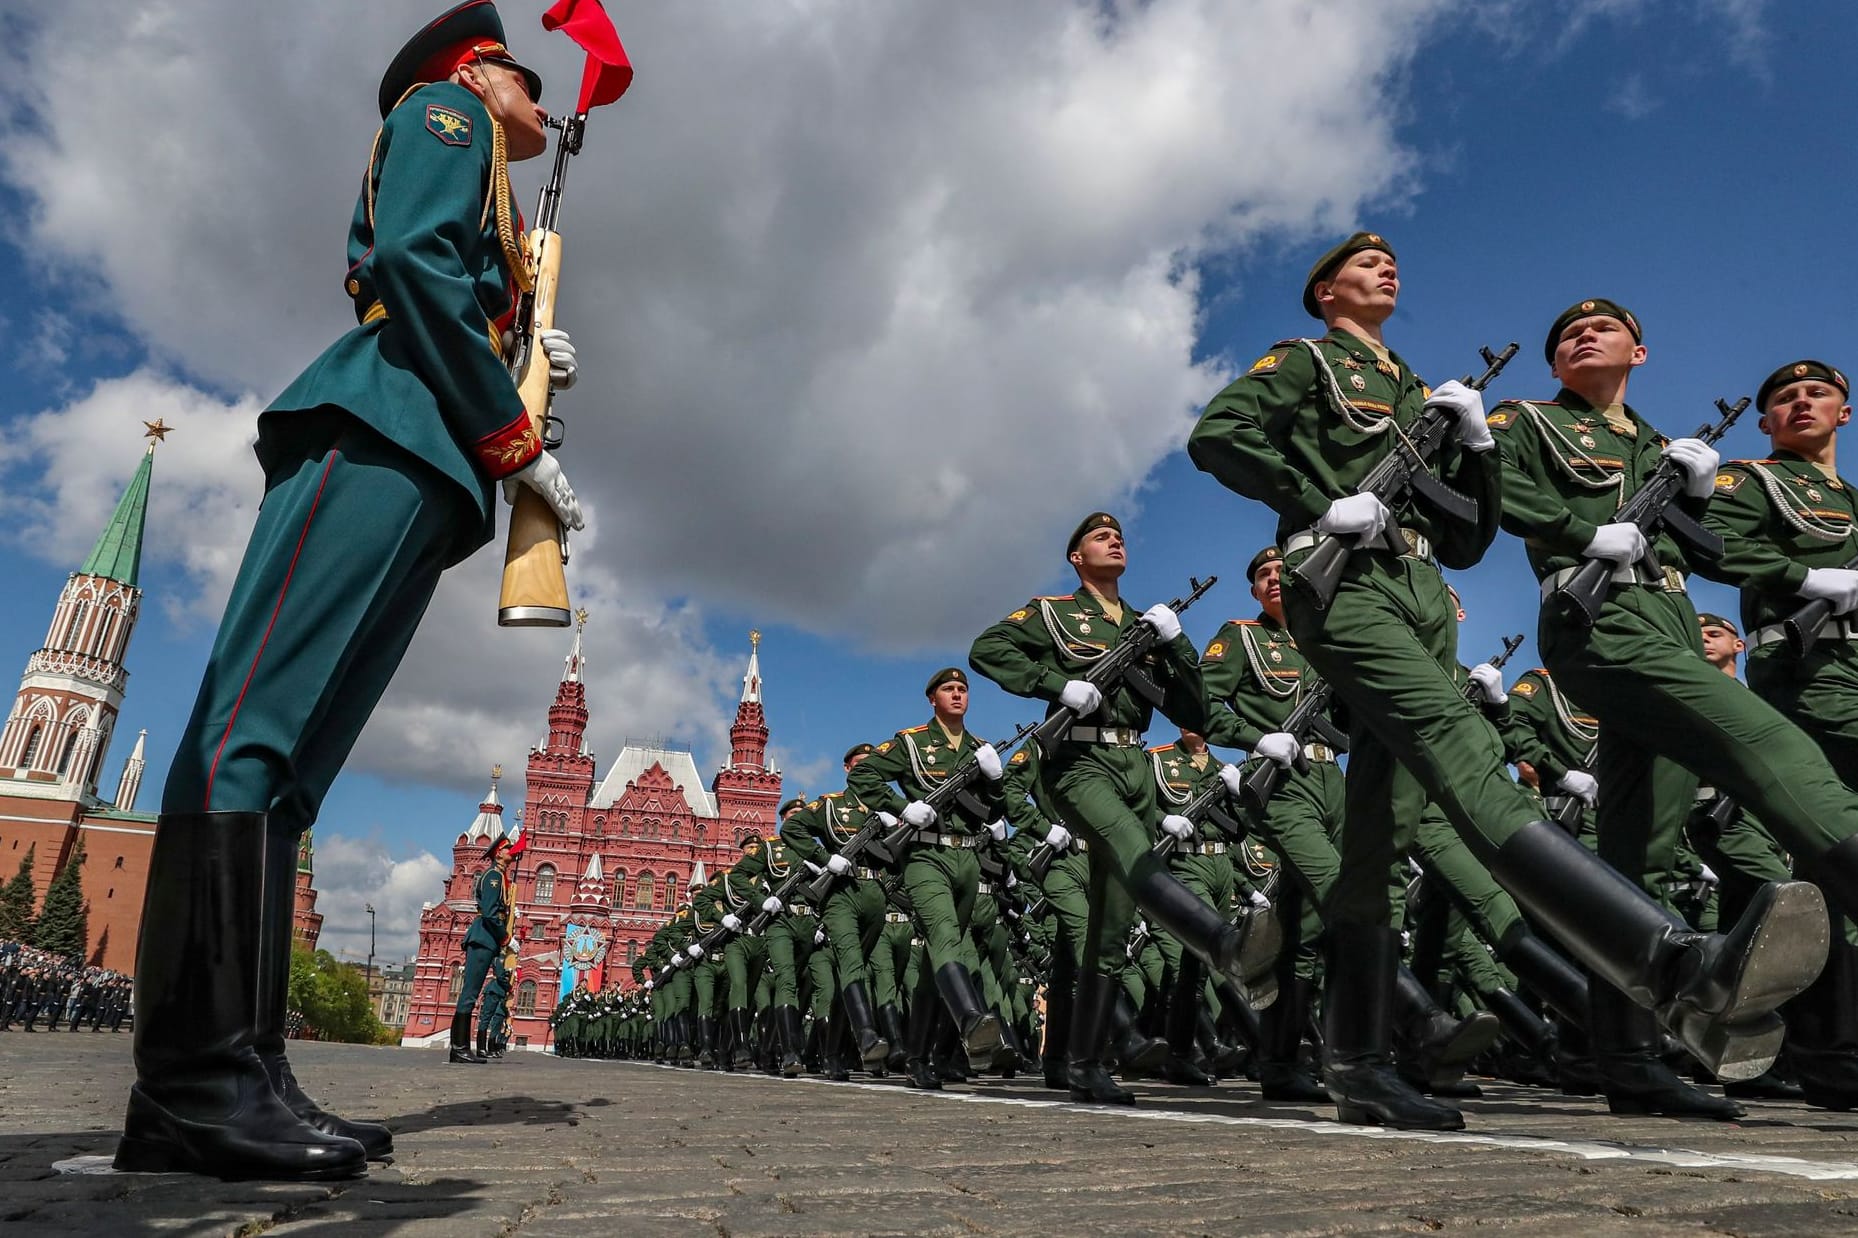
x: 792, y: 804
x: 1588, y: 309
x: 1270, y: 554
x: 856, y: 750
x: 1327, y: 264
x: 1096, y: 520
x: 948, y: 674
x: 1793, y: 373
x: 754, y: 840
x: 1708, y: 620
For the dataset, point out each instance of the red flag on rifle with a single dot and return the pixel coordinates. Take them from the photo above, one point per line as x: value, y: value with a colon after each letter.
x: 608, y: 71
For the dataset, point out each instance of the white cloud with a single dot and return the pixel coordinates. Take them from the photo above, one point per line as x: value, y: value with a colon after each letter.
x: 873, y: 300
x: 350, y: 874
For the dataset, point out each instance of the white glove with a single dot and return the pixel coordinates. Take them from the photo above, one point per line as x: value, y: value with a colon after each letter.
x: 1177, y: 825
x: 819, y: 937
x: 1582, y: 785
x: 1621, y: 543
x: 1012, y: 878
x: 695, y: 951
x: 1232, y: 777
x: 1489, y: 681
x: 918, y: 814
x: 1257, y: 899
x: 1362, y: 514
x: 543, y: 475
x: 771, y: 905
x: 563, y: 370
x: 1279, y: 746
x: 732, y: 922
x: 1163, y: 620
x: 1467, y: 405
x: 1058, y: 837
x: 1698, y: 460
x: 998, y: 830
x: 989, y: 761
x: 1709, y: 875
x: 650, y: 984
x: 838, y: 865
x: 1837, y: 585
x: 1081, y: 697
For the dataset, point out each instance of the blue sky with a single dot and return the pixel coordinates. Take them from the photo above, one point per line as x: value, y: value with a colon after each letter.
x: 1689, y: 160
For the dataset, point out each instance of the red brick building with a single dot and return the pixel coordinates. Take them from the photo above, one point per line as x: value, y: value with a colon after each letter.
x: 632, y: 840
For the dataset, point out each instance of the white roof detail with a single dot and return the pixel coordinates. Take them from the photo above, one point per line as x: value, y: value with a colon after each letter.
x: 751, y: 680
x: 635, y: 759
x: 698, y: 876
x: 572, y: 672
x: 488, y: 823
x: 141, y: 741
x: 593, y: 869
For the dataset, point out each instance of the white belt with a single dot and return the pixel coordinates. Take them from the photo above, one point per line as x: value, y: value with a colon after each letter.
x: 1418, y: 545
x: 1200, y: 849
x: 963, y: 842
x: 1835, y: 629
x: 895, y: 917
x: 1625, y: 574
x: 983, y: 887
x: 869, y: 874
x: 1319, y: 752
x: 1110, y: 736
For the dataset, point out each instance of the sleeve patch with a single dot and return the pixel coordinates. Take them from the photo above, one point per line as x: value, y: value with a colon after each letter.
x: 448, y: 126
x: 1267, y: 364
x: 1018, y: 616
x: 1216, y: 650
x: 1728, y: 482
x: 1502, y: 419
x: 1018, y: 758
x: 886, y: 746
x: 1525, y: 688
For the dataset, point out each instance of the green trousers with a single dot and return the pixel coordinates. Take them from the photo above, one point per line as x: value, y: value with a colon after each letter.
x: 342, y: 562
x: 1300, y: 825
x: 709, y: 983
x: 890, y: 961
x: 941, y: 882
x: 1067, y: 895
x: 1663, y: 712
x: 743, y: 959
x: 1388, y: 643
x: 853, y: 915
x: 1107, y: 795
x: 1474, y: 892
x: 790, y: 950
x: 1210, y: 878
x: 477, y: 970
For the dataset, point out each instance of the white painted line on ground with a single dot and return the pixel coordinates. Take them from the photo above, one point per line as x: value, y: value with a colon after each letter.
x: 1585, y: 1149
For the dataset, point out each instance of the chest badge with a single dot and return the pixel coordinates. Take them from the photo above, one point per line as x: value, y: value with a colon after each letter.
x: 1587, y: 441
x: 928, y: 758
x: 1812, y: 494
x: 1388, y: 368
x: 1351, y: 363
x: 1357, y: 382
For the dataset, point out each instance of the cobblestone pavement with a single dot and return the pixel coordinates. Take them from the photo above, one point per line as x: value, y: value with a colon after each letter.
x: 538, y: 1147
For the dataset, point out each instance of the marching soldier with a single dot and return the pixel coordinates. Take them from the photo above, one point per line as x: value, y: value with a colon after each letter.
x: 1787, y: 524
x: 941, y: 871
x: 1300, y: 431
x: 1099, y: 780
x: 1551, y: 741
x: 380, y: 464
x: 1664, y: 711
x: 1182, y: 770
x: 746, y: 956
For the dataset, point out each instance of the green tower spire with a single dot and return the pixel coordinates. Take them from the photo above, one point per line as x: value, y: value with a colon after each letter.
x: 118, y: 553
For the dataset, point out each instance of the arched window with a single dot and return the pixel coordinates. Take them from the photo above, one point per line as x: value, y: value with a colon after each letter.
x: 642, y: 897
x: 64, y: 760
x: 632, y: 953
x: 670, y: 890
x: 78, y: 614
x: 525, y: 997
x: 33, y: 737
x: 619, y: 887
x: 457, y: 980
x: 545, y: 884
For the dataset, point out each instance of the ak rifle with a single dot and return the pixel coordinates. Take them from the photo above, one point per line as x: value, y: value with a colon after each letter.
x: 1208, y: 807
x: 954, y: 790
x: 1114, y: 668
x: 1510, y: 645
x: 1405, y: 470
x: 1567, y: 808
x: 1802, y: 628
x: 1310, y: 717
x: 1654, y: 510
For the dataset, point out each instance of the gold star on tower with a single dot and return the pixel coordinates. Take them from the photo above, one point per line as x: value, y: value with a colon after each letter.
x: 157, y: 430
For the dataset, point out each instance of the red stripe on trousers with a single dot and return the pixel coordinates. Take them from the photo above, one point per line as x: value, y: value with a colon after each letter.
x: 213, y: 769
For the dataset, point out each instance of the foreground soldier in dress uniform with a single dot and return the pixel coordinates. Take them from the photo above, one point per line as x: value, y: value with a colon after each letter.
x: 941, y: 871
x: 1664, y: 711
x: 1789, y: 524
x: 1100, y: 781
x: 380, y: 462
x: 1300, y: 432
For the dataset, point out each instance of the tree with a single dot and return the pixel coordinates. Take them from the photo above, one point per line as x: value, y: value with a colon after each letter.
x: 332, y: 997
x: 63, y: 926
x: 16, y: 902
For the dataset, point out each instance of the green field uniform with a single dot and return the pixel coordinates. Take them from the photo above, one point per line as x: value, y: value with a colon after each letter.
x: 1202, y: 864
x: 1779, y: 517
x: 854, y: 909
x: 1555, y: 736
x: 1065, y: 889
x: 484, y: 939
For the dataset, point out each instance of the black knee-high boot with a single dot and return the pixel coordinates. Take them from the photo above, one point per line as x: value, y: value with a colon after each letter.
x: 1633, y: 1075
x: 1358, y: 1033
x: 202, y: 1101
x: 1090, y: 1036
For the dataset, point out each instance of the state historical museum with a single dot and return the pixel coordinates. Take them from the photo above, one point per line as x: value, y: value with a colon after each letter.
x: 608, y: 860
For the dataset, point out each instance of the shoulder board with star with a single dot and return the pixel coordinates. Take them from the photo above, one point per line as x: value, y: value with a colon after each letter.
x: 833, y: 795
x: 913, y: 730
x: 1160, y: 748
x: 1244, y: 623
x: 1056, y: 597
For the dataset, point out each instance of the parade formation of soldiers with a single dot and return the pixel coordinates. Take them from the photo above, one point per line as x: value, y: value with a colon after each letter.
x: 35, y: 985
x: 1512, y: 873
